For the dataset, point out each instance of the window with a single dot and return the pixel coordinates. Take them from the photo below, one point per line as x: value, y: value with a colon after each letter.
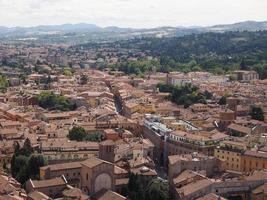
x: 87, y: 177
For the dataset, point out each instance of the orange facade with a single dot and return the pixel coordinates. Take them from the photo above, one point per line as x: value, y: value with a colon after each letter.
x: 251, y: 162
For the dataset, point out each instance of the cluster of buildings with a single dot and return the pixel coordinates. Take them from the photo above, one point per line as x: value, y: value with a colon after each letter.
x: 205, y: 151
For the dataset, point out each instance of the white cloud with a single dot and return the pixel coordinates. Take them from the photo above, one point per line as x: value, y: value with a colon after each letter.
x: 130, y: 13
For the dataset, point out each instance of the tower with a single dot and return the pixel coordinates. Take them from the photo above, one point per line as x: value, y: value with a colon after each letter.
x: 107, y: 150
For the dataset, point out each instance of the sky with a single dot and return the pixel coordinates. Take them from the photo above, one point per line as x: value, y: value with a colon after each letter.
x: 131, y: 13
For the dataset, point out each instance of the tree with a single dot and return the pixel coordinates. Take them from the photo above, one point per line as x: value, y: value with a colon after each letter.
x: 49, y: 80
x: 135, y: 187
x: 218, y: 71
x: 196, y: 68
x: 3, y: 83
x: 243, y: 64
x: 27, y: 149
x: 77, y: 133
x: 5, y: 166
x: 23, y: 78
x: 186, y: 95
x: 257, y: 113
x: 95, y: 137
x: 207, y: 94
x: 261, y: 69
x: 157, y: 189
x: 17, y: 163
x: 232, y: 78
x: 23, y: 174
x: 38, y: 62
x: 34, y: 163
x: 67, y: 72
x: 83, y: 79
x: 222, y: 100
x: 50, y: 101
x: 24, y: 163
x: 16, y: 147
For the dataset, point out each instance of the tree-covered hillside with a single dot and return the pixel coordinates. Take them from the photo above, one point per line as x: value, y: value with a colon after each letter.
x: 215, y: 52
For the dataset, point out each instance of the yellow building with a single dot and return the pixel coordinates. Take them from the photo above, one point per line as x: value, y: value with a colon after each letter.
x: 231, y: 152
x: 147, y: 108
x: 130, y: 108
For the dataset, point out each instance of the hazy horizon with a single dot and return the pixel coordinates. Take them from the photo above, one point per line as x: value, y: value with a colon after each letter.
x: 130, y: 13
x: 88, y: 23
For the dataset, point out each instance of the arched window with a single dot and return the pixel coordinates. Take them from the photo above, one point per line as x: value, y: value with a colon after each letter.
x: 102, y: 181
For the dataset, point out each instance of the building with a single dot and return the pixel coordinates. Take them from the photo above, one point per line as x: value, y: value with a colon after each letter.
x: 254, y: 160
x: 199, y: 107
x: 180, y: 142
x: 50, y: 187
x: 243, y: 75
x: 90, y: 175
x: 227, y: 116
x: 61, y: 151
x: 97, y: 174
x: 177, y: 79
x: 238, y: 130
x: 107, y: 150
x: 191, y: 185
x: 71, y: 171
x: 10, y: 188
x: 259, y: 193
x: 74, y: 194
x: 194, y: 162
x: 230, y: 152
x: 211, y: 196
x: 105, y: 194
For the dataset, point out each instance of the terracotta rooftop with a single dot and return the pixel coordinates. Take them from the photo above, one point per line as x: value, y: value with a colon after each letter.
x: 49, y: 182
x: 194, y: 186
x: 256, y: 154
x: 239, y: 128
x: 75, y: 193
x: 35, y: 195
x: 105, y: 194
x: 121, y: 181
x: 211, y: 196
x: 92, y: 162
x: 185, y: 176
x: 63, y: 166
x: 260, y: 189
